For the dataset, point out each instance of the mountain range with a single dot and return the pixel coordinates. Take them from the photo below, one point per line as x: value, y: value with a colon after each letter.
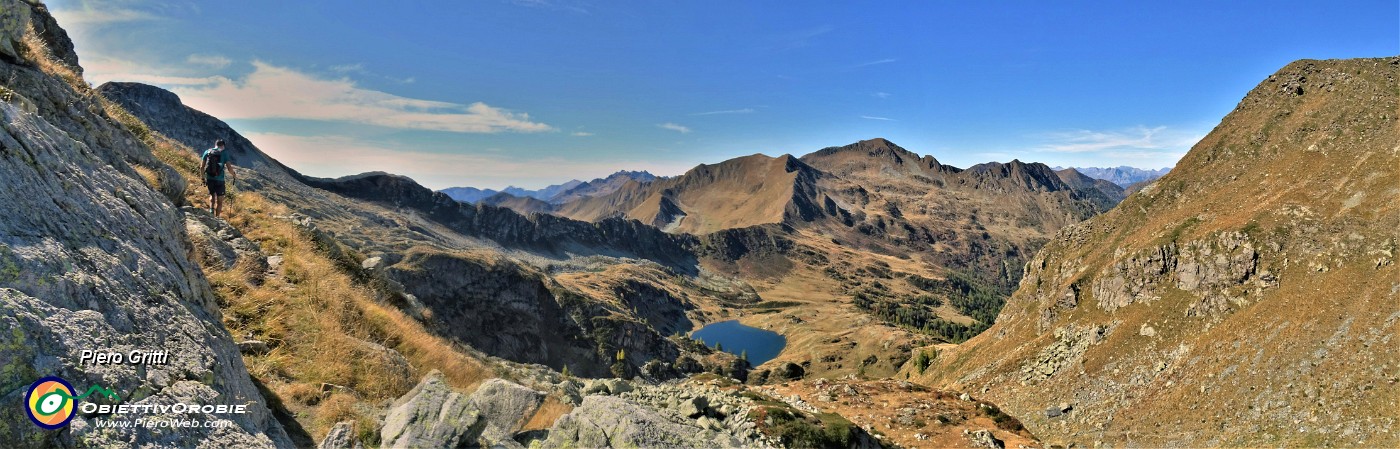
x: 1124, y: 176
x: 1238, y: 300
x: 556, y: 193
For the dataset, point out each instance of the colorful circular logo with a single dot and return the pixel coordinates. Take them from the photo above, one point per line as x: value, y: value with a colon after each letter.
x: 50, y: 402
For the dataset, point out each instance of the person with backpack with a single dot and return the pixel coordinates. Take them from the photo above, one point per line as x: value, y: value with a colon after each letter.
x: 214, y: 163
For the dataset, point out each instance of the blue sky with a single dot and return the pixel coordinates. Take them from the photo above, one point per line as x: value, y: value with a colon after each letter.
x: 490, y: 93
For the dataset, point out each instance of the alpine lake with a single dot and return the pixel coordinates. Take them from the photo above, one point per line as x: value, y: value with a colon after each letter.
x: 758, y: 345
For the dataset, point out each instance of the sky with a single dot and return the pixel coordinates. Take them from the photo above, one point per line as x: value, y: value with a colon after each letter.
x: 490, y: 93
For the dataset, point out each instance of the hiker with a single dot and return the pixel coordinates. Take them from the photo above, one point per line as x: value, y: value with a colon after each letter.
x: 214, y: 163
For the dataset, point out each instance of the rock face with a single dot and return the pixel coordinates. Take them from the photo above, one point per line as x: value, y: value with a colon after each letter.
x: 341, y: 436
x: 93, y: 258
x: 432, y: 415
x: 18, y: 16
x: 504, y: 406
x: 162, y: 110
x: 606, y: 421
x: 1246, y: 298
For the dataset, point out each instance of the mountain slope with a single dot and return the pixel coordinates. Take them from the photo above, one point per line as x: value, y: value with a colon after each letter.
x: 93, y: 257
x: 741, y: 192
x: 1105, y: 194
x: 1246, y: 298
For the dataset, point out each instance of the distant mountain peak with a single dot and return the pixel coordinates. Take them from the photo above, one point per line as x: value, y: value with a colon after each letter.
x: 1122, y: 175
x: 874, y: 156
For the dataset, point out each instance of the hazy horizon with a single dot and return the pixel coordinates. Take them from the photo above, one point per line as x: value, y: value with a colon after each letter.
x: 481, y: 95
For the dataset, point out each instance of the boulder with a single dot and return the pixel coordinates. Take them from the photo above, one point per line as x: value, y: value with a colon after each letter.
x: 984, y: 439
x: 252, y: 347
x: 695, y: 407
x: 504, y: 406
x: 432, y: 415
x: 341, y: 436
x: 617, y: 386
x: 610, y: 421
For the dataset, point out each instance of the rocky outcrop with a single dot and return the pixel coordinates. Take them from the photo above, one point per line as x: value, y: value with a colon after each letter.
x: 162, y: 110
x: 731, y: 245
x: 432, y: 415
x: 984, y: 439
x: 499, y: 308
x: 341, y: 436
x: 614, y: 413
x: 94, y: 258
x: 1070, y: 344
x: 1219, y: 270
x: 218, y: 243
x: 18, y: 17
x: 1246, y: 298
x: 505, y: 407
x: 607, y: 421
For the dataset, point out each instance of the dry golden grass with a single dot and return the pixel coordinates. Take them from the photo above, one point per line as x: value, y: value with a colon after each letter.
x: 1311, y: 179
x: 323, y: 327
x: 316, y: 318
x: 34, y: 49
x: 548, y: 413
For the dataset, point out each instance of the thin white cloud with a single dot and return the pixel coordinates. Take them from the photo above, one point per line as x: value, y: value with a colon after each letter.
x: 798, y: 39
x: 98, y: 70
x: 877, y: 62
x: 358, y: 67
x: 726, y: 111
x: 674, y: 127
x: 1160, y: 138
x: 581, y: 134
x: 1139, y: 146
x: 881, y: 95
x: 84, y: 14
x: 335, y: 156
x: 871, y: 117
x: 273, y: 92
x: 211, y: 61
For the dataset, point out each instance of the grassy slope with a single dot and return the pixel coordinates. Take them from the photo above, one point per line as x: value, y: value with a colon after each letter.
x: 1311, y: 179
x: 316, y: 318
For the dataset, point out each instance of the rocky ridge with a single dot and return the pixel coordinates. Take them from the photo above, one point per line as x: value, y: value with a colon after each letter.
x: 93, y: 257
x: 1238, y: 300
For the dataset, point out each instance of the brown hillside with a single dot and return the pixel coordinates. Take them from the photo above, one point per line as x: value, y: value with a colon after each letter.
x: 741, y: 192
x: 1247, y: 298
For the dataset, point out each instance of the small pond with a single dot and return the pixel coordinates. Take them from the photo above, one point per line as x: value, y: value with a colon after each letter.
x: 734, y: 338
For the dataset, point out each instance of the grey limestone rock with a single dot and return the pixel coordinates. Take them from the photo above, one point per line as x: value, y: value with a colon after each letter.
x: 341, y: 436
x: 94, y: 258
x: 432, y: 415
x: 984, y: 439
x: 505, y: 406
x: 610, y: 421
